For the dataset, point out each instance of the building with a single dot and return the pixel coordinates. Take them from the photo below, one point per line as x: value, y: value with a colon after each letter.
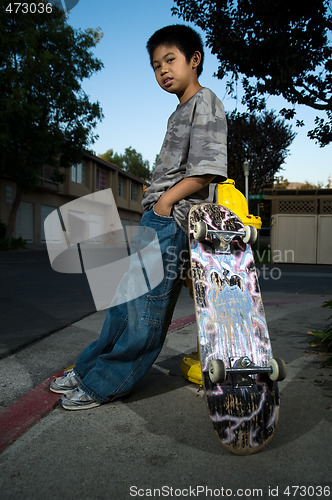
x: 91, y: 175
x: 301, y: 225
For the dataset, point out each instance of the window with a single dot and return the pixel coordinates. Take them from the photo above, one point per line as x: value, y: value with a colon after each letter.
x: 9, y: 194
x: 78, y: 173
x: 101, y: 179
x: 134, y: 191
x: 121, y: 187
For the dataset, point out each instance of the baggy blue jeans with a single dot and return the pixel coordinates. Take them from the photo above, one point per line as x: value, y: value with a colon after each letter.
x: 134, y: 332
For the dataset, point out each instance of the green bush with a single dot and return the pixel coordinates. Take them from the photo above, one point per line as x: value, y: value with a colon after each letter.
x: 323, y: 339
x: 2, y: 230
x: 13, y: 244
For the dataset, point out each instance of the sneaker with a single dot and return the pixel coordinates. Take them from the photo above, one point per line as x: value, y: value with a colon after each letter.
x: 78, y: 400
x: 68, y: 382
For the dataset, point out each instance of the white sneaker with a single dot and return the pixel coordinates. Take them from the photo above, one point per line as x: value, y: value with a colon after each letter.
x: 78, y: 400
x: 68, y: 382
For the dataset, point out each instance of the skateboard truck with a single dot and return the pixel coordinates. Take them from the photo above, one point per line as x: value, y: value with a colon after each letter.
x: 242, y: 368
x: 223, y: 238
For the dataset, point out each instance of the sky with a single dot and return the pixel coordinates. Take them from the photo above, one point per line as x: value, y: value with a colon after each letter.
x: 136, y: 109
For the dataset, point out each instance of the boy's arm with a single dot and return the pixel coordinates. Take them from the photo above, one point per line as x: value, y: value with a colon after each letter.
x: 184, y: 188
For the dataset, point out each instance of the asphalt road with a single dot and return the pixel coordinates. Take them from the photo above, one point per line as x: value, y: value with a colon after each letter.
x: 35, y: 300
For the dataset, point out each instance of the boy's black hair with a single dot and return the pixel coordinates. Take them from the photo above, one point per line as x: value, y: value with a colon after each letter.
x: 183, y: 37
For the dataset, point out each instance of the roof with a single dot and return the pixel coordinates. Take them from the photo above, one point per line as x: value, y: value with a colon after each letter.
x: 272, y: 193
x: 113, y: 166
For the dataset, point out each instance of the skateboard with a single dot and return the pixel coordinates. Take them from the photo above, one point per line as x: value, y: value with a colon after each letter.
x: 239, y: 373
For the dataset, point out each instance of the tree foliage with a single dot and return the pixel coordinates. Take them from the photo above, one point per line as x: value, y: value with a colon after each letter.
x: 46, y: 118
x: 261, y: 139
x: 281, y: 182
x: 276, y: 47
x: 130, y: 161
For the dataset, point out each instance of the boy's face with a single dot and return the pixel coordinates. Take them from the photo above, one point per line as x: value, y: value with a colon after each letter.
x: 172, y: 71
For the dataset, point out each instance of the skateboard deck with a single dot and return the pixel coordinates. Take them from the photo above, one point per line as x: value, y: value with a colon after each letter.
x: 243, y: 404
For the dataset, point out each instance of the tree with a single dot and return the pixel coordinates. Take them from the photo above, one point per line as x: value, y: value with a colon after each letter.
x: 277, y: 47
x: 310, y: 185
x: 46, y: 118
x: 262, y: 140
x: 281, y: 183
x: 130, y: 161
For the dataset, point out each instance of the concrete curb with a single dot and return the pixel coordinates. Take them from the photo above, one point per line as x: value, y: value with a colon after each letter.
x: 26, y: 411
x: 29, y: 409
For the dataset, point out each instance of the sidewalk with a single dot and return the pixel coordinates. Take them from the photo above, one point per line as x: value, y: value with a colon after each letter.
x: 161, y: 436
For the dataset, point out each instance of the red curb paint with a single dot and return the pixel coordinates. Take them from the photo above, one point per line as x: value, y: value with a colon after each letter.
x: 178, y: 323
x: 18, y: 417
x: 26, y: 411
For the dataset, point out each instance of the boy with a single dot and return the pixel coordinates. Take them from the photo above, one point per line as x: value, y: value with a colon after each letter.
x: 192, y: 159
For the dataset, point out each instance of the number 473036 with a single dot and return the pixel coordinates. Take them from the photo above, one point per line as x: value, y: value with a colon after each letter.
x: 29, y: 8
x: 307, y: 491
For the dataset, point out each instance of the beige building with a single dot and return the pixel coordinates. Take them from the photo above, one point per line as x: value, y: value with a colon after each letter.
x: 301, y: 225
x: 91, y: 175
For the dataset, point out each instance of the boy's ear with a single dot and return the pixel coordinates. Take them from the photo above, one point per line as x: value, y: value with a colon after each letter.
x: 196, y: 59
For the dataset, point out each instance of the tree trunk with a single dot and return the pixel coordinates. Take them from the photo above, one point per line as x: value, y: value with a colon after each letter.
x: 12, y: 216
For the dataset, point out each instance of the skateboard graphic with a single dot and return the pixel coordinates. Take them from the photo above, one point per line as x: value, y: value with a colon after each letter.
x: 239, y: 373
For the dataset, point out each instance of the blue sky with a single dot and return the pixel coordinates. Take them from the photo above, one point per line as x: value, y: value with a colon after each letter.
x: 136, y: 109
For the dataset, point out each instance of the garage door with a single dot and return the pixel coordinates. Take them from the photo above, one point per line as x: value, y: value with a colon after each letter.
x: 55, y: 232
x: 294, y: 238
x: 24, y: 221
x: 324, y: 242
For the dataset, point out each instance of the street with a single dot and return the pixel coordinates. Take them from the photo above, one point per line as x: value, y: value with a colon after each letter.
x: 36, y: 301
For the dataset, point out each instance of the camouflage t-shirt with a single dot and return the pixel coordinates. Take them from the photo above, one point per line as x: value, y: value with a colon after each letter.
x: 195, y: 144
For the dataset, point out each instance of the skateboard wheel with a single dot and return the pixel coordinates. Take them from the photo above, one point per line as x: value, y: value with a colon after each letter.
x: 217, y: 371
x: 279, y: 369
x: 250, y: 235
x: 200, y: 231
